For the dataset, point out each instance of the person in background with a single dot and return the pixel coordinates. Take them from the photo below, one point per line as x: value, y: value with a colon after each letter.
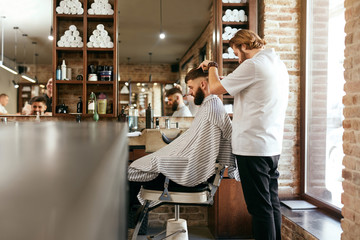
x: 189, y: 101
x: 4, y: 100
x: 260, y: 86
x: 176, y: 101
x: 48, y: 95
x: 37, y: 105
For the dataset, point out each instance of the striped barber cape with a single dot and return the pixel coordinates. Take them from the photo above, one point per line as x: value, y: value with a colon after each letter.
x: 190, y: 159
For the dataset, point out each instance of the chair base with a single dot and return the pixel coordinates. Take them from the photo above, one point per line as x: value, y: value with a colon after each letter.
x: 176, y: 229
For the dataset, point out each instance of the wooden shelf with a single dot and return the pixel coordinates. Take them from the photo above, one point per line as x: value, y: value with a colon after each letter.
x: 99, y: 49
x: 106, y: 18
x: 235, y: 4
x: 69, y: 82
x: 75, y: 49
x: 73, y: 17
x: 235, y: 23
x: 100, y: 82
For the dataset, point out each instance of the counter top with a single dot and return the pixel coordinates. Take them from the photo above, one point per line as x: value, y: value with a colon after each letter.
x: 63, y: 180
x: 152, y: 138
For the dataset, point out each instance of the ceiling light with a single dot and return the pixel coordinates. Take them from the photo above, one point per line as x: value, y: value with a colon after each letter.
x: 7, y: 68
x: 28, y: 78
x: 16, y: 85
x: 162, y: 34
x: 2, y: 65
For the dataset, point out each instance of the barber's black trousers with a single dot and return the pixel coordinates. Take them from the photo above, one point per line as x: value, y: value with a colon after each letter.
x: 259, y: 180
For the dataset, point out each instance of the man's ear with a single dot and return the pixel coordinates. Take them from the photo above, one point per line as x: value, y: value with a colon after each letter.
x: 203, y: 85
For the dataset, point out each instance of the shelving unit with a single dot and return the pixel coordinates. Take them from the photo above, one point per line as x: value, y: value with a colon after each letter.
x: 229, y: 205
x: 228, y: 65
x: 79, y: 58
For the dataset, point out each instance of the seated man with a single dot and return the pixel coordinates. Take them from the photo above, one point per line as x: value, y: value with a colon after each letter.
x: 176, y: 101
x: 4, y: 99
x: 196, y: 151
x: 37, y: 106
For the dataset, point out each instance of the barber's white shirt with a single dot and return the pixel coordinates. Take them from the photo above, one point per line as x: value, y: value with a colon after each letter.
x: 2, y: 109
x: 260, y: 87
x: 182, y: 111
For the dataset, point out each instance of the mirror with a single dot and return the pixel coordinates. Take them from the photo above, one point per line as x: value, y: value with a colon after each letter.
x: 145, y: 58
x: 187, y: 25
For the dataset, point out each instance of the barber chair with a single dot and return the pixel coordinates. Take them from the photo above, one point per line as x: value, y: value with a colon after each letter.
x: 174, y: 194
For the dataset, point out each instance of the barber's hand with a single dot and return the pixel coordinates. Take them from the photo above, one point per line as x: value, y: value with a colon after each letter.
x: 204, y: 65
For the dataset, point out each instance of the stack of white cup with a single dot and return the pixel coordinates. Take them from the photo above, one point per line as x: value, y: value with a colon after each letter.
x: 229, y: 54
x: 100, y: 7
x: 234, y: 15
x: 70, y: 7
x: 229, y: 32
x: 71, y: 38
x: 100, y: 38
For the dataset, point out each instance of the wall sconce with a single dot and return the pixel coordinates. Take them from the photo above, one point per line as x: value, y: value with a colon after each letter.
x: 16, y: 85
x: 51, y: 37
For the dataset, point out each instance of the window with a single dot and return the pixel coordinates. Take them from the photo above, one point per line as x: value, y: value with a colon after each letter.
x: 325, y: 44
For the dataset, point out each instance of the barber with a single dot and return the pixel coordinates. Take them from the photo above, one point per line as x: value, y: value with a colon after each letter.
x: 260, y: 86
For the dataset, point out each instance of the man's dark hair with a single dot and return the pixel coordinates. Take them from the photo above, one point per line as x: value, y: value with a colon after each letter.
x: 38, y: 99
x: 194, y: 74
x: 3, y: 95
x: 173, y: 91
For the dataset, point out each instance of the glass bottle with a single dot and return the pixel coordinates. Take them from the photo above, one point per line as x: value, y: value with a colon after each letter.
x: 91, y: 103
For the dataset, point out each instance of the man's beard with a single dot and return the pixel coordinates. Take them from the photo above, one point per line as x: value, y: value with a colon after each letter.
x: 199, y: 96
x: 174, y: 106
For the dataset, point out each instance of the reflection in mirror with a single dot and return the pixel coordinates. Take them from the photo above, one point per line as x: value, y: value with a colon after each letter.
x: 189, y: 28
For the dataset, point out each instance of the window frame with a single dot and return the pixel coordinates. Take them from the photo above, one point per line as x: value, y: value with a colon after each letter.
x: 329, y: 209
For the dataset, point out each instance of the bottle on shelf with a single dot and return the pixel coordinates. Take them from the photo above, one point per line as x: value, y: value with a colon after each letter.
x: 79, y: 105
x: 149, y: 117
x: 63, y: 70
x: 133, y: 119
x: 91, y: 103
x: 122, y: 116
x: 92, y: 109
x: 157, y: 123
x: 58, y: 73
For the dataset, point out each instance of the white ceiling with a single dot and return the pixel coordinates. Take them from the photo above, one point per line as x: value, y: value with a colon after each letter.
x: 139, y: 27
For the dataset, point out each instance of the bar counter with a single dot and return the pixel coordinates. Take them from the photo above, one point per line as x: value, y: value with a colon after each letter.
x: 63, y: 180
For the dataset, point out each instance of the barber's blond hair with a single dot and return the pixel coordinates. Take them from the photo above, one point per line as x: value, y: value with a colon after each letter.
x: 247, y: 37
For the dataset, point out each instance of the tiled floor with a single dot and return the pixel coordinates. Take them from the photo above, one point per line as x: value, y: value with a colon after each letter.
x: 195, y: 233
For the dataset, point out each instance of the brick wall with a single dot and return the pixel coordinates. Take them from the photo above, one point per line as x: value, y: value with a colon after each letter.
x: 140, y: 72
x: 351, y: 174
x: 43, y: 72
x: 280, y: 26
x: 291, y: 230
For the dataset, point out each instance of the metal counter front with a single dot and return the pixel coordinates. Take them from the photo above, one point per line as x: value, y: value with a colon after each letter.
x: 63, y: 180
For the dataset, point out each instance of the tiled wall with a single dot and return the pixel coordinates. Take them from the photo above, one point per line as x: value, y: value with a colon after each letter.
x: 351, y: 139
